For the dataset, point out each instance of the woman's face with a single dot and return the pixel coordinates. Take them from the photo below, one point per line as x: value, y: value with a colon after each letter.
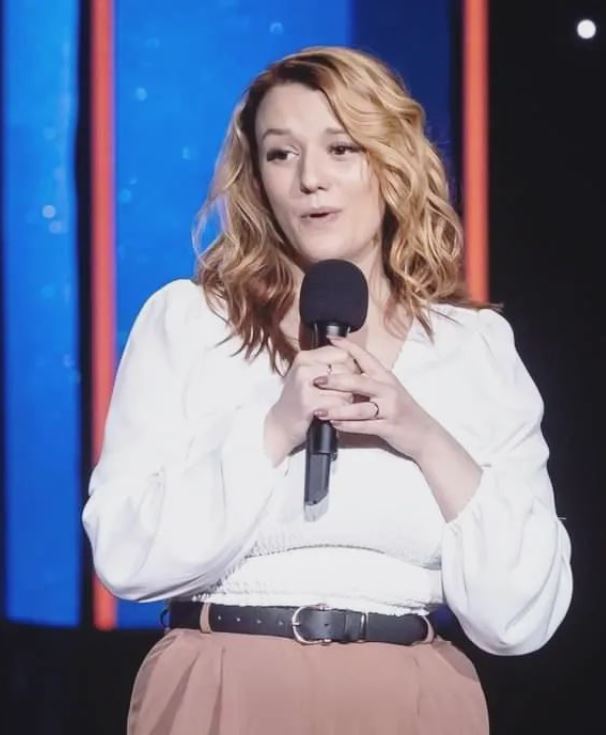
x: 319, y: 183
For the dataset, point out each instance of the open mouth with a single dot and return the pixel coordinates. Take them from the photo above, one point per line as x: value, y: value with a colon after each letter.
x: 321, y: 215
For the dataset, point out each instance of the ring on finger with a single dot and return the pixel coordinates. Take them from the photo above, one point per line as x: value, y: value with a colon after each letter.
x: 377, y: 410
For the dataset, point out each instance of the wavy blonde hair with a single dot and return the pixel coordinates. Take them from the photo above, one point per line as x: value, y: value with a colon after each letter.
x: 246, y: 272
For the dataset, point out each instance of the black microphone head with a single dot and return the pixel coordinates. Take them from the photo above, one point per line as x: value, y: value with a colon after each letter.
x: 334, y: 291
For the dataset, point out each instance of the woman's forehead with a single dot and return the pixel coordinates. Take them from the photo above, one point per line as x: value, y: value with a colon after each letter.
x: 295, y: 109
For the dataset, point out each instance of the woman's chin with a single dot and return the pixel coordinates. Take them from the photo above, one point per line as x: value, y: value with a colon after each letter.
x: 315, y: 255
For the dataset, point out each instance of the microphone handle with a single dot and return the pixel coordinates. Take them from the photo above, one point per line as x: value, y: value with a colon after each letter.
x: 321, y: 443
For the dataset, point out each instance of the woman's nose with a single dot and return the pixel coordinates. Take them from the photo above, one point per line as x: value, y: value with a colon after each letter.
x: 312, y: 175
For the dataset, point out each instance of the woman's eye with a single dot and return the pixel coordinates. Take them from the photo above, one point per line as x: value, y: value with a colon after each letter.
x: 277, y: 154
x: 340, y: 149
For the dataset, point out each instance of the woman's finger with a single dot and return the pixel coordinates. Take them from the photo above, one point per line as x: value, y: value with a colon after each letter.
x: 355, y: 412
x: 370, y: 427
x: 368, y: 363
x: 326, y: 355
x: 363, y: 385
x: 347, y: 366
x: 328, y: 405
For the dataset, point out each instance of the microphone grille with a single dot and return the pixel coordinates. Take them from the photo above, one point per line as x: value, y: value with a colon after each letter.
x: 334, y: 291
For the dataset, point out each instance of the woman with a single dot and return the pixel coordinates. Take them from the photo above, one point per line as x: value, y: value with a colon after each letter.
x: 440, y: 493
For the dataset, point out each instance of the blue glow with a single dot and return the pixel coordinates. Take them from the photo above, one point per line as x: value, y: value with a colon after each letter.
x: 415, y: 38
x: 40, y: 290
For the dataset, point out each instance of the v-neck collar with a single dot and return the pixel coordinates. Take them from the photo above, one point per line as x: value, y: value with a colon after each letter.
x: 416, y: 338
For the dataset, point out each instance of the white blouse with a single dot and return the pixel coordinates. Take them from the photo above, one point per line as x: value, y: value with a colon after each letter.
x: 185, y: 503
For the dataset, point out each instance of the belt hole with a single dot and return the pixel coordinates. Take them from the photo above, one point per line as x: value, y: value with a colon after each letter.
x: 258, y: 621
x: 237, y: 620
x: 218, y: 617
x: 280, y: 622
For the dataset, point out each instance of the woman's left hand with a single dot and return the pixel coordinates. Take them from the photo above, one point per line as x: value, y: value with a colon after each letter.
x: 390, y: 411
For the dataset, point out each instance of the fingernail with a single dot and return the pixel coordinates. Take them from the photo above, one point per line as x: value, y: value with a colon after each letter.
x: 320, y: 413
x: 322, y: 380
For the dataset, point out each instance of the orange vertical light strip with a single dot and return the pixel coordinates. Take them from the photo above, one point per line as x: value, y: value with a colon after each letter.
x: 475, y: 146
x: 103, y: 323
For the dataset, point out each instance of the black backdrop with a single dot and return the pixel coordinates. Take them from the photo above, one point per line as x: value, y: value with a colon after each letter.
x: 547, y: 202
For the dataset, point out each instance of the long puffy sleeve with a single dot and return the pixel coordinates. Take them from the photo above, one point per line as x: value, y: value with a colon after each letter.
x: 506, y: 557
x: 176, y: 495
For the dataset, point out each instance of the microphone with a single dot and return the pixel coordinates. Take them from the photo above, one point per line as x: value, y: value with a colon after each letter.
x: 333, y: 302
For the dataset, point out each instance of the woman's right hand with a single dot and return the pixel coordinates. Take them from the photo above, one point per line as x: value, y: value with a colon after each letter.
x: 288, y: 419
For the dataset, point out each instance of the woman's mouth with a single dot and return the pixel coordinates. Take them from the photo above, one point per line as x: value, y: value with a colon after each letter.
x: 320, y: 218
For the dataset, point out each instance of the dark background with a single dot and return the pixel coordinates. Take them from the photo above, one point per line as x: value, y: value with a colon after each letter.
x: 547, y: 131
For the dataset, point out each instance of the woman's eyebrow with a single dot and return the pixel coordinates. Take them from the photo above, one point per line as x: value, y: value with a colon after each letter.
x: 286, y: 131
x: 275, y: 131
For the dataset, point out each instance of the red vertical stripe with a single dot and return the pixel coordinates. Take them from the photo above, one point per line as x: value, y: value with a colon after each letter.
x: 102, y: 261
x: 475, y: 145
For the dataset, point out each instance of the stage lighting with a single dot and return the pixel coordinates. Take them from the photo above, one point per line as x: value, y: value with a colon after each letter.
x: 586, y: 29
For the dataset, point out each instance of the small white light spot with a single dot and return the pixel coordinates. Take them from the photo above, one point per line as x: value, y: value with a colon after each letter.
x: 586, y: 28
x: 48, y: 211
x: 186, y: 153
x: 141, y: 94
x: 276, y: 28
x: 56, y: 228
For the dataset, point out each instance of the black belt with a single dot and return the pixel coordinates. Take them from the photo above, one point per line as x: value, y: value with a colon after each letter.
x: 307, y: 624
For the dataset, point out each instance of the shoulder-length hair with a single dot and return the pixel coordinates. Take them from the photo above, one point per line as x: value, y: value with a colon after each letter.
x: 246, y: 272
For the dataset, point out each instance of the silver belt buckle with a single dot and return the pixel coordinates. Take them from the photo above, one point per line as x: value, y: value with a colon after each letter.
x: 295, y: 623
x: 431, y: 631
